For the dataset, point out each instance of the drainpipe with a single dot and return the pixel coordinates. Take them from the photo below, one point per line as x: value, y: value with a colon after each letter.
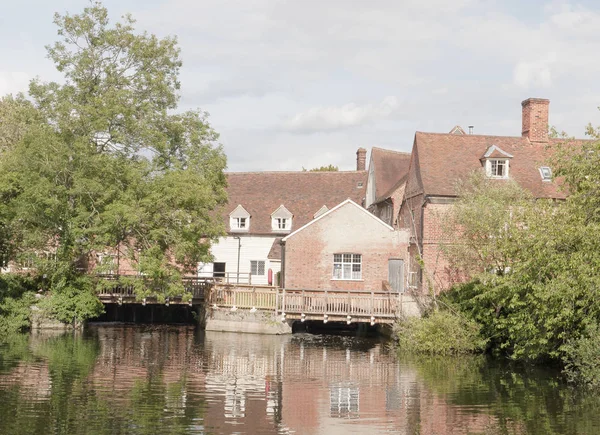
x: 238, y: 263
x: 282, y: 273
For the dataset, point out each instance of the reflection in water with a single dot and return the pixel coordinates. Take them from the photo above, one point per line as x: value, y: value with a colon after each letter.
x: 147, y: 380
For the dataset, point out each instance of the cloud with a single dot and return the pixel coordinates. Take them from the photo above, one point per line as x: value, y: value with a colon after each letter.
x: 13, y: 82
x: 534, y: 74
x: 339, y: 117
x: 276, y: 74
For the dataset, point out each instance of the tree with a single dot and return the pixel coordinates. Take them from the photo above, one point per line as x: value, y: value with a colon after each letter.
x: 112, y: 165
x: 328, y: 168
x: 533, y: 264
x: 481, y: 227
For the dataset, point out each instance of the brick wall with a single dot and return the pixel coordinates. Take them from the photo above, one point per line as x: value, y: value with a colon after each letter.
x: 309, y: 253
x: 437, y: 273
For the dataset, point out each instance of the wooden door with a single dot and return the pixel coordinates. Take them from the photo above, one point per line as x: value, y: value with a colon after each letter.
x: 396, y: 274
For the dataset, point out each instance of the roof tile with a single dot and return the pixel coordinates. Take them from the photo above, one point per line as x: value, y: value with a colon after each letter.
x: 302, y: 193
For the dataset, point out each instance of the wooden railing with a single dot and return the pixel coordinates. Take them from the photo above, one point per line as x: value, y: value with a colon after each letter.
x: 339, y: 303
x: 198, y: 287
x: 310, y: 304
x: 240, y: 296
x: 234, y: 278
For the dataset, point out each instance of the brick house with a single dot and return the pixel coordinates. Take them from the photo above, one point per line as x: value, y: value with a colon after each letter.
x: 438, y: 161
x: 388, y: 171
x: 346, y: 248
x: 264, y: 207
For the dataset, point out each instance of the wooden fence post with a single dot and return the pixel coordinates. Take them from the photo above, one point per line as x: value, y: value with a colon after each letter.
x: 349, y: 310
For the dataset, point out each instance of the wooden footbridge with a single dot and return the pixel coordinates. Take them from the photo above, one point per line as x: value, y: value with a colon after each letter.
x: 288, y: 304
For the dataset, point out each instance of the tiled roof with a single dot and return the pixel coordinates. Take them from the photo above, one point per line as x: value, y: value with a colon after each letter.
x: 275, y: 252
x: 444, y: 158
x: 391, y: 168
x: 302, y: 193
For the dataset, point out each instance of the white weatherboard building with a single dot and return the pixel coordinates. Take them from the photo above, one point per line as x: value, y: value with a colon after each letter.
x: 265, y: 207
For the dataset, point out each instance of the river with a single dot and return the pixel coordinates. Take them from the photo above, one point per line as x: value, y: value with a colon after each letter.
x: 120, y: 379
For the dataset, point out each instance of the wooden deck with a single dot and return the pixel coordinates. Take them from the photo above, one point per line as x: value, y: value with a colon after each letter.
x: 323, y: 305
x: 307, y: 304
x: 125, y: 294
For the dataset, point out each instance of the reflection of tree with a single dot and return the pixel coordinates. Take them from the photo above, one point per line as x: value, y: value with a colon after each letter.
x: 13, y: 349
x: 533, y: 400
x: 75, y: 404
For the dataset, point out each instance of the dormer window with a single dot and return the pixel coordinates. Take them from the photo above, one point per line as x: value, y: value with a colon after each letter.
x: 281, y: 223
x: 546, y: 173
x: 281, y: 220
x: 497, y: 168
x: 496, y: 162
x: 239, y: 223
x: 239, y: 220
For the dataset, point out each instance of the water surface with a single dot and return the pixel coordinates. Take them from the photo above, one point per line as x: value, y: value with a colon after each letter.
x: 118, y: 379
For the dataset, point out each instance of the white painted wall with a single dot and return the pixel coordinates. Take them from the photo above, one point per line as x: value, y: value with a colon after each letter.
x: 252, y: 248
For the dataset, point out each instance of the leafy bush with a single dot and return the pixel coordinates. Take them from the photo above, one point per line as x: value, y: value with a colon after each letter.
x: 73, y: 303
x: 582, y: 358
x: 16, y: 296
x: 441, y: 332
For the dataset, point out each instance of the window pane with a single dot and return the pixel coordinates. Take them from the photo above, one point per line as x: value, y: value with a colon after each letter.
x: 337, y: 271
x: 347, y: 266
x: 347, y: 271
x: 257, y: 267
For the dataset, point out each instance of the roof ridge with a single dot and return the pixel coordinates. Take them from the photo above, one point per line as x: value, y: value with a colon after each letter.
x: 391, y: 151
x: 468, y: 135
x: 292, y: 172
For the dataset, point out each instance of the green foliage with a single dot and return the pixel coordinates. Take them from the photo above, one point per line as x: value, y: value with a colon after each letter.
x: 534, y: 284
x: 72, y: 305
x: 16, y: 296
x: 328, y: 168
x: 481, y: 228
x: 582, y: 356
x: 440, y: 332
x: 101, y: 163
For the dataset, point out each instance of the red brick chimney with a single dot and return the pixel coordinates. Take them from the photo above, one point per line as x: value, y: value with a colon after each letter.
x: 535, y: 119
x: 361, y: 159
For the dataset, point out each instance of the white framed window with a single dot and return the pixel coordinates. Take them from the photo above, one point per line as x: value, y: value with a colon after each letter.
x: 497, y: 168
x: 347, y: 266
x: 546, y: 173
x: 239, y: 223
x: 257, y: 267
x: 281, y: 223
x: 239, y: 220
x: 281, y: 219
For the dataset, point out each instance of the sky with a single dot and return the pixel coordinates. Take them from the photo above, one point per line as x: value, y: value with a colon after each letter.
x: 305, y: 83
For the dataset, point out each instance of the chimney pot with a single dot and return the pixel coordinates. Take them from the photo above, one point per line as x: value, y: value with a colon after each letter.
x: 535, y: 119
x: 361, y: 159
